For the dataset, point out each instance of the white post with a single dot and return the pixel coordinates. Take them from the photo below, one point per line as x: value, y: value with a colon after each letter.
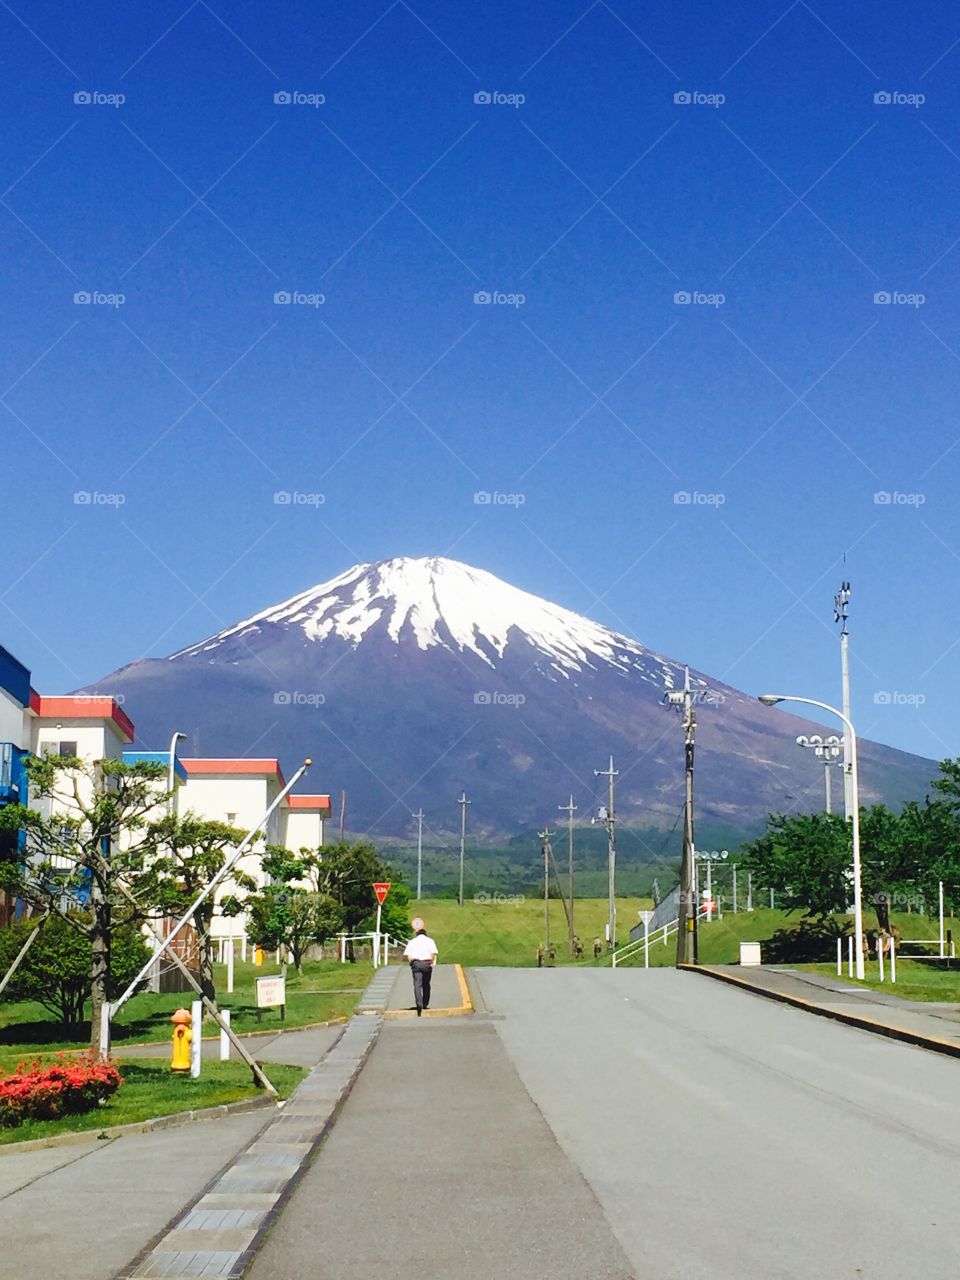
x: 749, y: 890
x: 386, y: 948
x: 880, y: 955
x: 243, y: 948
x: 771, y: 899
x: 224, y: 1038
x: 734, y: 888
x: 664, y: 935
x: 278, y: 955
x: 230, y: 966
x: 850, y: 957
x: 839, y: 959
x: 893, y: 958
x: 940, y: 891
x: 342, y: 942
x: 646, y: 940
x: 376, y: 938
x: 105, y: 1028
x: 196, y: 1044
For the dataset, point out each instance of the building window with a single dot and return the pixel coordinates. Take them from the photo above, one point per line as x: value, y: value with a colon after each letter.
x: 66, y: 749
x: 232, y: 819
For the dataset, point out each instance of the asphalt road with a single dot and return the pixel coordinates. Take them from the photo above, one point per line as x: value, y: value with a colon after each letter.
x: 612, y: 1124
x: 727, y: 1136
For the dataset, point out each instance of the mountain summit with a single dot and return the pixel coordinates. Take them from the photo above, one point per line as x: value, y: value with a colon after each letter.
x: 410, y: 679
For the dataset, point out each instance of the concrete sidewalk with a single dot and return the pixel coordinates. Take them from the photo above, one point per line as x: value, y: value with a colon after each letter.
x: 84, y: 1210
x: 930, y: 1025
x: 446, y: 992
x: 440, y: 1164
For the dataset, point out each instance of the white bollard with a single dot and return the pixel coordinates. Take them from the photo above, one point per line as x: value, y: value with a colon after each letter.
x: 893, y: 958
x: 850, y: 956
x: 196, y: 1044
x: 646, y: 944
x: 243, y: 948
x: 278, y: 955
x: 839, y: 959
x: 880, y: 955
x: 230, y: 966
x: 224, y: 1038
x: 343, y: 948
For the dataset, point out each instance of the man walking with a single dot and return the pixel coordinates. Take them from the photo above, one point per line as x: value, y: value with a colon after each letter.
x: 421, y: 951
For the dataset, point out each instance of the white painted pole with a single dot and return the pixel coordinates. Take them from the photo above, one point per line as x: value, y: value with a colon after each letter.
x: 224, y: 1038
x: 941, y: 920
x: 342, y: 943
x: 749, y: 890
x: 839, y: 959
x: 893, y: 958
x: 646, y: 941
x: 243, y: 948
x: 850, y: 957
x: 664, y: 935
x: 230, y: 960
x: 376, y: 938
x: 771, y: 899
x: 880, y: 955
x: 196, y: 1044
x: 734, y: 888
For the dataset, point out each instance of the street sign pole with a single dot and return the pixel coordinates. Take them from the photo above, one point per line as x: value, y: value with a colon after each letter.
x: 381, y: 888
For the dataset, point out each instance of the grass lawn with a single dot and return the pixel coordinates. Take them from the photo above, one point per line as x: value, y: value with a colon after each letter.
x: 507, y: 933
x: 916, y: 980
x: 151, y: 1089
x: 326, y: 990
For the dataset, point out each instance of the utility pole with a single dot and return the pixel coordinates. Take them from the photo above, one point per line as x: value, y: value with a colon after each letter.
x: 419, y: 818
x: 607, y: 817
x: 569, y: 809
x: 687, y: 949
x: 545, y: 835
x: 462, y: 802
x: 840, y: 604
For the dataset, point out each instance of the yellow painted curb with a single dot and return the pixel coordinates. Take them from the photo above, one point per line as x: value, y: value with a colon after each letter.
x: 933, y: 1043
x: 465, y: 1007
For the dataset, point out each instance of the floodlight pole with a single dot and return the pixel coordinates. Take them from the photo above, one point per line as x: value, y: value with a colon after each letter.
x: 569, y: 809
x: 109, y: 1009
x: 770, y: 700
x: 462, y: 802
x: 419, y: 818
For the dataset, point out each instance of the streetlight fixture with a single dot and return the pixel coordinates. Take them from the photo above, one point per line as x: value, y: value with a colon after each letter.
x: 771, y: 700
x: 828, y: 750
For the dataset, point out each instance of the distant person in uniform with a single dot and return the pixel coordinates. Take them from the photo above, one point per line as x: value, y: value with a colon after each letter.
x: 540, y: 955
x: 551, y: 955
x: 421, y: 951
x: 597, y: 948
x: 577, y: 948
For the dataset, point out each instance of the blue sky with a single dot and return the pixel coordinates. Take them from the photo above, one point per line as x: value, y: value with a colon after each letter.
x: 781, y: 198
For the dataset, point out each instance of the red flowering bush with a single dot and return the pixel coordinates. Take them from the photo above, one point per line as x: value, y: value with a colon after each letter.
x: 65, y: 1087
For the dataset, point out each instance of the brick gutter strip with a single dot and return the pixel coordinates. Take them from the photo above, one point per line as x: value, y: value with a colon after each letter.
x: 935, y: 1045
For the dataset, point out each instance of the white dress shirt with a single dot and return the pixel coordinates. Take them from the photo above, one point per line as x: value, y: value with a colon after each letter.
x: 420, y: 947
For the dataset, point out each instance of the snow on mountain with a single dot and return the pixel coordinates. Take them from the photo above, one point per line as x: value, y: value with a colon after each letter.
x: 443, y: 602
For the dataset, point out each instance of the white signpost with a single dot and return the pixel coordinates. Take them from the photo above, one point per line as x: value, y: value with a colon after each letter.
x: 646, y: 917
x: 381, y: 889
x: 272, y: 994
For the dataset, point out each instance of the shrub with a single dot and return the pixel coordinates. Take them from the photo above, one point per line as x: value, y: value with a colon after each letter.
x: 65, y: 1087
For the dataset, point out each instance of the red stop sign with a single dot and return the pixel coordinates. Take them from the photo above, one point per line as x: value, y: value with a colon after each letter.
x: 381, y: 890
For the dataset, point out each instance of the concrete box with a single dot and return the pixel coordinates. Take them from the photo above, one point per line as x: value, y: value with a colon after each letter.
x: 749, y: 953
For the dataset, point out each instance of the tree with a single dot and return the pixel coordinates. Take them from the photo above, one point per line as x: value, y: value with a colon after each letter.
x: 90, y: 838
x: 347, y: 873
x: 806, y: 858
x: 55, y: 972
x: 185, y: 855
x: 288, y: 914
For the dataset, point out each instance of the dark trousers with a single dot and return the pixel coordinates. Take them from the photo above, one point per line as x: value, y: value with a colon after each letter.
x: 422, y: 977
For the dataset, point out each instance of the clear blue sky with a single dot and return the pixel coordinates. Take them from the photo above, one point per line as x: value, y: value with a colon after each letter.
x: 598, y: 198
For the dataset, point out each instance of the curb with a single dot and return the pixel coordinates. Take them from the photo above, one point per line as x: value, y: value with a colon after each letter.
x: 465, y: 1006
x: 171, y: 1121
x: 915, y: 1038
x: 220, y: 1231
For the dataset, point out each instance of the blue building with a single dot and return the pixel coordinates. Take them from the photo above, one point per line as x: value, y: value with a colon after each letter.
x: 14, y: 744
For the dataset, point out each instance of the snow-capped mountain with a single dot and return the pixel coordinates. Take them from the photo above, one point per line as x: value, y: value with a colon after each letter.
x: 411, y: 679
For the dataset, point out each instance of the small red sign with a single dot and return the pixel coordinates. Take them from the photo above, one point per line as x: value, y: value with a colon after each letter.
x: 381, y: 890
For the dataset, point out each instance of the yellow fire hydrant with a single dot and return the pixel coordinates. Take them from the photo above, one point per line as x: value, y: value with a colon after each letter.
x: 182, y: 1035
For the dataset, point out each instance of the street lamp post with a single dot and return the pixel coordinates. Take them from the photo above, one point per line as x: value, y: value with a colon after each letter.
x: 771, y: 700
